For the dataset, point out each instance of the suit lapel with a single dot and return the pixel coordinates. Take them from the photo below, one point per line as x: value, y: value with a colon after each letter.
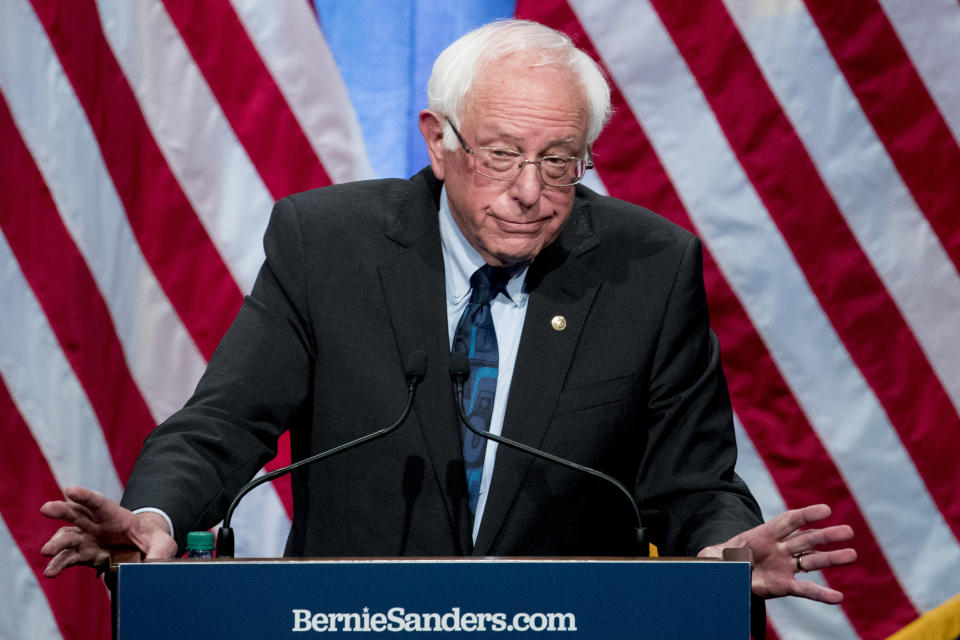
x: 414, y: 291
x: 560, y: 286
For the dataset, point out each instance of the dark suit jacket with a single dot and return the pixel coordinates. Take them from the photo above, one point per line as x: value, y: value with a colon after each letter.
x: 353, y: 282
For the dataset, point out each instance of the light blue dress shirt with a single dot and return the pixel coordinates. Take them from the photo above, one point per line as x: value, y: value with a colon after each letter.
x: 460, y: 260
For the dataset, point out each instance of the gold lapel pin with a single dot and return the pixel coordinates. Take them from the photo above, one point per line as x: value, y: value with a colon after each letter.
x: 559, y: 323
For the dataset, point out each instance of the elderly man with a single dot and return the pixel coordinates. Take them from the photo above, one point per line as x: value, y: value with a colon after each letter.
x: 585, y: 325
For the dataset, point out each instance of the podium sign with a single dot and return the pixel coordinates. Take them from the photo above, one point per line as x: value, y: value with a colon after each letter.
x: 562, y: 598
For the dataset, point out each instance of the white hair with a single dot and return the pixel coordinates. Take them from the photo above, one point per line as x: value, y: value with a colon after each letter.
x: 458, y: 65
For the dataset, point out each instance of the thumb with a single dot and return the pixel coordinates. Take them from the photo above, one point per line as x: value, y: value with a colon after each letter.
x: 151, y: 535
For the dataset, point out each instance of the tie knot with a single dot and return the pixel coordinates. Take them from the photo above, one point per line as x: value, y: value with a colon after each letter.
x: 486, y: 282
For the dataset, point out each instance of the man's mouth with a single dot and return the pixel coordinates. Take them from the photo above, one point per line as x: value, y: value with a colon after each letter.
x: 521, y: 226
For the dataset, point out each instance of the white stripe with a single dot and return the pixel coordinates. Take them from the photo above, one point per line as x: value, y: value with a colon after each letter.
x: 758, y: 265
x: 194, y: 135
x: 930, y: 32
x: 793, y: 618
x: 291, y: 45
x: 26, y: 613
x: 45, y: 390
x: 878, y: 207
x: 162, y: 357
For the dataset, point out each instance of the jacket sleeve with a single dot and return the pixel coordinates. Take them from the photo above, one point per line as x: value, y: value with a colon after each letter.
x: 686, y: 484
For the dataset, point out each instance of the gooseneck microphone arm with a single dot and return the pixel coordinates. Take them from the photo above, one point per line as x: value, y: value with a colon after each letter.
x: 415, y: 370
x: 460, y: 371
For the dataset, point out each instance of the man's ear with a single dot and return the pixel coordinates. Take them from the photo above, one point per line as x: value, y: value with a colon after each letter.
x: 431, y: 127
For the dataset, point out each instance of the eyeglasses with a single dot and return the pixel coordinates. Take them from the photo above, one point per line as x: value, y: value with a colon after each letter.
x: 506, y: 164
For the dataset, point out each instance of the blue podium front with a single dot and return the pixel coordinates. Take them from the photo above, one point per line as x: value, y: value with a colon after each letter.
x: 566, y: 598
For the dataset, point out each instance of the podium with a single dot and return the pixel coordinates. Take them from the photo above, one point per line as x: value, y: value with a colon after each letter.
x: 436, y: 597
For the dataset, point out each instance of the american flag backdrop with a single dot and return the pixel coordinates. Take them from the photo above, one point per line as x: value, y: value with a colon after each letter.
x: 813, y: 145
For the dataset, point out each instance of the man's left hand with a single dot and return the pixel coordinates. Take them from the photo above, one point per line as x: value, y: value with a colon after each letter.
x: 782, y: 548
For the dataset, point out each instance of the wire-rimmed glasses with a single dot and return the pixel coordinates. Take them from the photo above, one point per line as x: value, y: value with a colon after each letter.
x: 506, y: 164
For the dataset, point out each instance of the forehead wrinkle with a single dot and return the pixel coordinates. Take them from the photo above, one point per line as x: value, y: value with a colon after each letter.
x: 498, y: 80
x: 517, y: 105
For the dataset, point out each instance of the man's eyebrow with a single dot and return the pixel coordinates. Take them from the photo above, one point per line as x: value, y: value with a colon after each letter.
x: 559, y: 142
x: 506, y: 137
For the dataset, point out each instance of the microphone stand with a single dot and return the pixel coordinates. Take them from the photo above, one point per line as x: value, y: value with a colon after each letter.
x: 416, y: 369
x: 460, y: 370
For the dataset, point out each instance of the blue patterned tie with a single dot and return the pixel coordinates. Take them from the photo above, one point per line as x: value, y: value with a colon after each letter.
x: 476, y: 337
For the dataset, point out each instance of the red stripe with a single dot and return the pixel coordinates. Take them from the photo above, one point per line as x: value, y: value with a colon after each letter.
x: 895, y: 99
x: 631, y: 171
x: 282, y: 485
x: 77, y: 598
x: 248, y: 95
x: 78, y: 315
x: 172, y: 239
x: 841, y: 276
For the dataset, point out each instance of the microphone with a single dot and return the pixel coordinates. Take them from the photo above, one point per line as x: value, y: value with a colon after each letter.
x: 414, y: 370
x: 460, y: 371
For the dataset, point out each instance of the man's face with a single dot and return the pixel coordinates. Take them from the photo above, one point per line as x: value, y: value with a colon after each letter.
x: 534, y: 110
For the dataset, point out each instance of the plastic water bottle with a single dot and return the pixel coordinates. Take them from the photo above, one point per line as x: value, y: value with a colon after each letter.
x: 200, y: 545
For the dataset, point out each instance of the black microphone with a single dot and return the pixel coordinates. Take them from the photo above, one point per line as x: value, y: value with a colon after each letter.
x: 460, y: 371
x: 415, y: 370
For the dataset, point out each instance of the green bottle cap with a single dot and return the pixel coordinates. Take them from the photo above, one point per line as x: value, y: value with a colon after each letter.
x: 200, y: 540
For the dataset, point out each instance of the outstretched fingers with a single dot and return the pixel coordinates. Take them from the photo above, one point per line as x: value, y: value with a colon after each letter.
x: 71, y: 512
x: 817, y: 560
x: 813, y: 591
x: 789, y: 522
x: 810, y: 539
x: 94, y: 524
x: 70, y: 546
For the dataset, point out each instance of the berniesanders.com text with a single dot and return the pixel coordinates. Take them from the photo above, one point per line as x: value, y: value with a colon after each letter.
x: 399, y: 620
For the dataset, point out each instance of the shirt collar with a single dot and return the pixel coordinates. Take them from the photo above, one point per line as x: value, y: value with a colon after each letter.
x: 460, y: 260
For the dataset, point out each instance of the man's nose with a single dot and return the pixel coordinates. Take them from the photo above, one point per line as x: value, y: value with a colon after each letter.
x: 527, y: 186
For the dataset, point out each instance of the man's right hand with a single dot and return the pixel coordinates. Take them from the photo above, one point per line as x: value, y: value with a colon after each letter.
x: 95, y: 525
